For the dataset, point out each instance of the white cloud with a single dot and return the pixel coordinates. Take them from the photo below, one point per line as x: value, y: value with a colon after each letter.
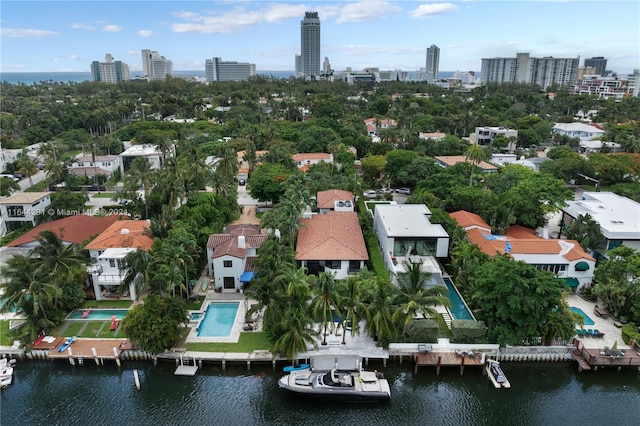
x: 235, y: 19
x: 12, y: 67
x: 111, y: 28
x: 25, y: 32
x: 428, y: 10
x: 81, y: 26
x: 66, y: 58
x: 145, y: 33
x: 365, y: 11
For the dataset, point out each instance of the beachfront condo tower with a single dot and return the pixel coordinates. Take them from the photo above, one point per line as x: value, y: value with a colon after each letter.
x: 310, y: 46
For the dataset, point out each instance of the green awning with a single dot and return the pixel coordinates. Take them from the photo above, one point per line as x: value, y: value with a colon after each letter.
x: 571, y: 282
x: 582, y: 266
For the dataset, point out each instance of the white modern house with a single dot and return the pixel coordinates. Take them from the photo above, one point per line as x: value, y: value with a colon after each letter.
x: 231, y: 256
x: 150, y: 152
x: 90, y: 166
x: 331, y: 242
x: 583, y: 131
x: 406, y: 234
x: 21, y: 209
x: 107, y: 252
x: 618, y: 217
x: 486, y: 134
x: 434, y: 136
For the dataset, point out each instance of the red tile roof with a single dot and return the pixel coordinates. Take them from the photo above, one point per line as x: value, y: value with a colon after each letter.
x: 73, y: 229
x: 331, y: 236
x: 308, y: 156
x: 123, y: 234
x: 468, y: 220
x: 227, y: 243
x: 327, y: 199
x: 452, y: 160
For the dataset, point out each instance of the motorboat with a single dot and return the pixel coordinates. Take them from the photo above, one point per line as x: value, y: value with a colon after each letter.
x: 496, y: 375
x: 338, y: 383
x: 6, y: 372
x: 297, y: 367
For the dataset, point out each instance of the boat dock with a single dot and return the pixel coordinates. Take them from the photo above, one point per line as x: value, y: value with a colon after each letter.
x: 448, y: 359
x: 594, y: 358
x: 85, y: 349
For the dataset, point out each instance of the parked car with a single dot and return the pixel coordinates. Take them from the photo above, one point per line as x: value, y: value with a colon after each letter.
x: 242, y: 182
x: 370, y: 193
x: 386, y: 190
x: 94, y: 187
x: 405, y: 191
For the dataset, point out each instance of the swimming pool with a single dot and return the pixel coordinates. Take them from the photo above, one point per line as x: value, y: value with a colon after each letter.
x: 218, y: 319
x: 458, y: 309
x: 195, y: 316
x: 97, y: 314
x: 587, y: 320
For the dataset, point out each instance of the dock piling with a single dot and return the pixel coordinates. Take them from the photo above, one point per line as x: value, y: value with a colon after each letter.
x: 136, y: 378
x: 95, y: 356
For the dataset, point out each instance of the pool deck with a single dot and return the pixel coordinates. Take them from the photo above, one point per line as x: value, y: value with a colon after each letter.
x: 238, y: 322
x: 612, y: 334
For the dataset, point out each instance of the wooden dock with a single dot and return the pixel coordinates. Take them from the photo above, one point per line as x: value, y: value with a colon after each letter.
x: 582, y: 362
x: 94, y: 349
x: 447, y: 359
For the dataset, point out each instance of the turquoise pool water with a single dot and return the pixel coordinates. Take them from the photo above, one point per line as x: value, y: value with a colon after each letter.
x: 97, y: 314
x: 218, y: 319
x: 587, y: 320
x: 195, y: 316
x: 458, y: 309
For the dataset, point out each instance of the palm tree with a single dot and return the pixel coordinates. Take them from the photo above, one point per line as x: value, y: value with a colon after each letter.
x: 228, y: 164
x: 140, y: 173
x: 586, y: 231
x: 60, y: 261
x: 325, y: 303
x: 474, y: 154
x: 297, y: 335
x: 380, y: 323
x: 27, y: 166
x: 350, y: 304
x: 138, y: 269
x: 415, y: 298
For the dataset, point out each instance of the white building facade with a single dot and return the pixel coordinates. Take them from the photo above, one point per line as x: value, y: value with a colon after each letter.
x: 155, y: 66
x: 218, y: 70
x: 525, y: 69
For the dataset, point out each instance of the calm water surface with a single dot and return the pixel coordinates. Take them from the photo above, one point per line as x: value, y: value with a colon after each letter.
x: 46, y: 393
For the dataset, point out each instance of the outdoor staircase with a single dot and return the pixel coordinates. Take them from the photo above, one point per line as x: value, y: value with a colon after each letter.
x: 447, y: 318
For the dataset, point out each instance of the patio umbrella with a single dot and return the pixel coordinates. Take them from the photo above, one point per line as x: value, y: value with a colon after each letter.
x: 615, y: 346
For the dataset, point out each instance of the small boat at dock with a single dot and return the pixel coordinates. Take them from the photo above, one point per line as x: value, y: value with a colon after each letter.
x: 66, y: 344
x: 496, y: 375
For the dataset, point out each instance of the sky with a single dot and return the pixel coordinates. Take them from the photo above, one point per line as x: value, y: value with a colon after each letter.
x: 66, y: 36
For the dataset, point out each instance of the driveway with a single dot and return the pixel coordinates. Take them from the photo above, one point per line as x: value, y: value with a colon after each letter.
x: 244, y: 198
x: 248, y: 216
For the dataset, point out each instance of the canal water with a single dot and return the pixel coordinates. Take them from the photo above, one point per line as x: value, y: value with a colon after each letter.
x: 55, y: 393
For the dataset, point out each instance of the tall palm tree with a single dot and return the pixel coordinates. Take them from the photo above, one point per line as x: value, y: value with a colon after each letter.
x: 324, y: 305
x: 474, y: 154
x: 414, y: 297
x: 58, y: 260
x: 350, y: 304
x: 138, y: 268
x: 586, y: 230
x: 228, y: 164
x: 141, y: 173
x: 379, y: 313
x: 27, y: 166
x: 298, y: 334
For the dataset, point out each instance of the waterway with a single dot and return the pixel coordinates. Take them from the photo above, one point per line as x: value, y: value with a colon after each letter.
x: 55, y: 393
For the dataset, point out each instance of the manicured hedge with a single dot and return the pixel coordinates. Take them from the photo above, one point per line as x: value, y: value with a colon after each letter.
x: 422, y: 331
x: 468, y: 331
x: 629, y: 333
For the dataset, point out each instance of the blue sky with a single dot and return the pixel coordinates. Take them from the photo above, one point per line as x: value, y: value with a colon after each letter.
x: 67, y: 35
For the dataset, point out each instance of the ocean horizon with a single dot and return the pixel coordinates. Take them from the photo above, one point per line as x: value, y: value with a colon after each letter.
x: 29, y: 78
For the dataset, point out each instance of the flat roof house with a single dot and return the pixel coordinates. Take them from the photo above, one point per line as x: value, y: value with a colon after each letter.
x: 405, y: 233
x: 331, y: 242
x: 107, y: 252
x: 618, y: 217
x: 150, y: 152
x: 21, y: 209
x: 565, y: 258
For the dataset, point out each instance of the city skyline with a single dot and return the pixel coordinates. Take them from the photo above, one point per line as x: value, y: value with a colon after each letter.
x: 54, y: 36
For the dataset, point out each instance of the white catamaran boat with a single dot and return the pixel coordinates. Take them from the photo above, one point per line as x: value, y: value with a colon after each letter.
x: 338, y: 378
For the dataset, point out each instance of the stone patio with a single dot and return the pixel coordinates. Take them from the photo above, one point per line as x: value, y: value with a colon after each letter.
x: 604, y: 325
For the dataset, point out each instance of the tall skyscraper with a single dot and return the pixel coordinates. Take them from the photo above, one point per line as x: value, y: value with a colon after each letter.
x: 110, y: 71
x: 598, y: 62
x: 433, y: 63
x: 218, y: 70
x: 155, y: 66
x: 310, y: 45
x: 525, y: 69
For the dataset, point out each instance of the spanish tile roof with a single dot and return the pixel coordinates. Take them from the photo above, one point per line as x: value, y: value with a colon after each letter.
x: 73, y: 229
x: 327, y: 199
x: 24, y: 197
x: 469, y: 220
x: 123, y: 234
x: 305, y: 156
x: 227, y: 243
x: 333, y: 236
x: 452, y: 160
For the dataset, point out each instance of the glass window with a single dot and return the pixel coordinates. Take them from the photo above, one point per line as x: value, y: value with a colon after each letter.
x: 227, y: 263
x: 112, y: 263
x: 332, y: 264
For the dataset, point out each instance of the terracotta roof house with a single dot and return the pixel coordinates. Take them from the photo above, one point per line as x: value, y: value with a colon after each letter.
x: 108, y: 250
x: 231, y: 255
x: 406, y: 234
x: 618, y: 217
x: 434, y: 136
x: 334, y: 200
x: 21, y: 209
x: 451, y: 160
x: 331, y: 242
x: 304, y: 160
x: 565, y: 258
x: 70, y: 230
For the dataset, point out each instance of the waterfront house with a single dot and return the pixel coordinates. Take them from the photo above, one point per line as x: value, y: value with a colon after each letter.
x: 331, y: 242
x: 565, y: 258
x: 231, y: 255
x: 334, y: 200
x: 22, y: 209
x: 618, y: 217
x: 406, y: 234
x: 107, y: 252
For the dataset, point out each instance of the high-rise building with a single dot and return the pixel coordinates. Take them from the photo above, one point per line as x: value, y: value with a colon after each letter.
x: 598, y: 62
x: 109, y: 71
x: 310, y: 45
x: 155, y: 66
x: 433, y: 63
x: 524, y: 69
x: 634, y: 83
x: 218, y: 70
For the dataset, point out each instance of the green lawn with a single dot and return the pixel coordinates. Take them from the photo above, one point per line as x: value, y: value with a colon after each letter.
x: 194, y: 305
x: 104, y: 195
x: 70, y: 154
x: 106, y: 304
x: 38, y: 187
x: 249, y: 342
x: 5, y: 339
x: 74, y: 328
x: 106, y: 332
